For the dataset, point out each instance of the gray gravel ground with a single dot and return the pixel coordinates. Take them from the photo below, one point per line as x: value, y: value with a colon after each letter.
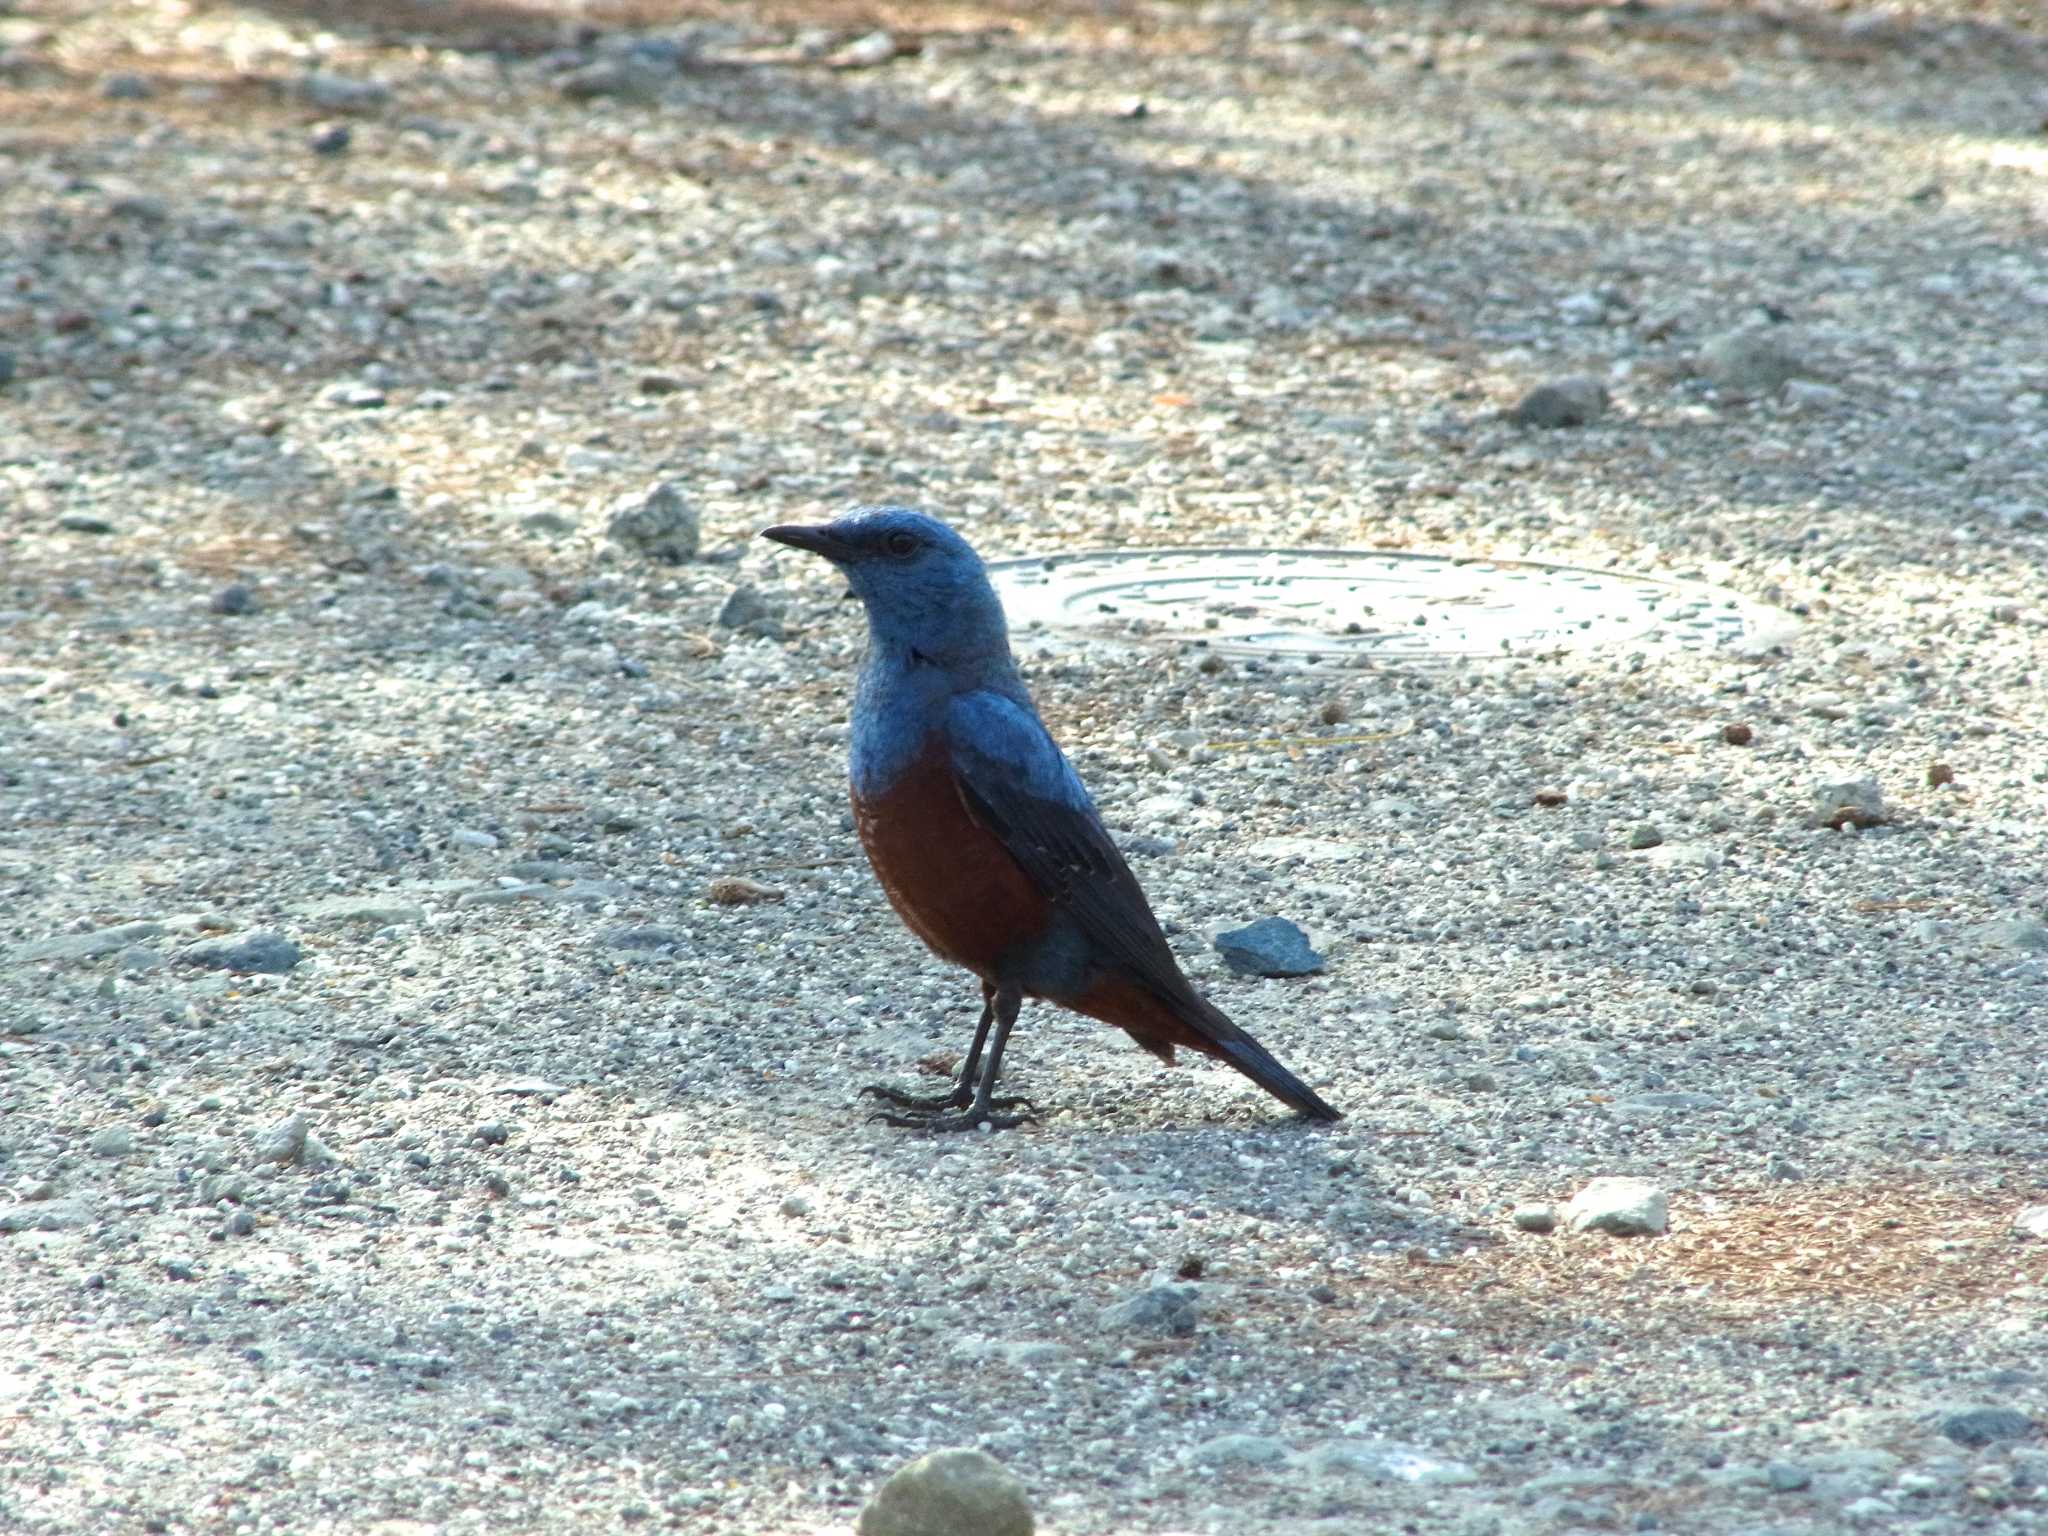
x: 349, y: 771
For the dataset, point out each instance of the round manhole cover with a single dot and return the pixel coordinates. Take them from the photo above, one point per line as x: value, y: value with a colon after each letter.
x: 1372, y: 605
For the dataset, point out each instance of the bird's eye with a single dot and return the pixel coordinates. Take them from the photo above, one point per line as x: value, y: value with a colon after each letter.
x: 901, y: 545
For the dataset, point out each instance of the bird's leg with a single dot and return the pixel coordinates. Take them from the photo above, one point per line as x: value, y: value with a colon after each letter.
x: 1003, y: 1004
x: 962, y: 1093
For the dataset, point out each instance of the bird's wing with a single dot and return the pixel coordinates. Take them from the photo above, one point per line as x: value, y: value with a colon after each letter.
x: 1019, y: 785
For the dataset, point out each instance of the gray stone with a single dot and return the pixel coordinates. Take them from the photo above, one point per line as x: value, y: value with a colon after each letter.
x: 1754, y: 359
x: 531, y: 1087
x: 259, y: 950
x: 506, y: 895
x: 331, y: 139
x: 2032, y: 1222
x: 1272, y: 946
x: 113, y: 1141
x: 88, y: 946
x: 1850, y: 803
x: 623, y: 79
x: 470, y: 837
x: 659, y: 523
x: 127, y: 87
x: 1536, y: 1216
x: 1239, y: 1451
x: 1987, y: 1425
x: 340, y: 93
x: 234, y: 600
x: 291, y: 1144
x: 2014, y: 933
x: 750, y: 613
x: 240, y: 1223
x: 42, y: 1216
x: 84, y: 522
x: 643, y: 936
x: 1387, y: 1461
x: 543, y: 869
x: 1673, y: 1100
x: 381, y: 910
x: 139, y: 960
x: 595, y: 893
x: 1644, y: 835
x: 1571, y: 402
x: 1787, y: 1477
x: 1170, y: 1309
x: 353, y: 395
x: 951, y: 1492
x: 1811, y: 399
x: 1624, y: 1207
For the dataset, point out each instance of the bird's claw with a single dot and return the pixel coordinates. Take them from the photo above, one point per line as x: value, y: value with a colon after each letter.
x: 932, y: 1102
x: 970, y: 1119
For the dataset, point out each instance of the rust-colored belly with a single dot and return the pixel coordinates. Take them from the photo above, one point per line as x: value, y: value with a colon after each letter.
x: 947, y: 876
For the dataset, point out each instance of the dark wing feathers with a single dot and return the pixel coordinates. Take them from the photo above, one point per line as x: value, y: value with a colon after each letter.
x: 1017, y: 783
x: 1067, y: 852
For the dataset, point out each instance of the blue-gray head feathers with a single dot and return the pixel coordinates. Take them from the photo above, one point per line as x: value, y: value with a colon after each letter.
x: 925, y: 588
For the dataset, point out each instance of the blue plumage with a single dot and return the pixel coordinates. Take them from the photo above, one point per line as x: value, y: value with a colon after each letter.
x: 980, y: 830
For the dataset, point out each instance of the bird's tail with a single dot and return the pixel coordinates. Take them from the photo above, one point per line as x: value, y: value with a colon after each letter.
x: 1160, y: 1019
x: 1225, y: 1041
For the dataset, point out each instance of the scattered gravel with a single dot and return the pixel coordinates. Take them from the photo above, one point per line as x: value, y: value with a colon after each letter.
x: 363, y: 313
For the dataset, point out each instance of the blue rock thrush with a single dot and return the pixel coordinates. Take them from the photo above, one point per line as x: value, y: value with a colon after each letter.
x: 980, y: 832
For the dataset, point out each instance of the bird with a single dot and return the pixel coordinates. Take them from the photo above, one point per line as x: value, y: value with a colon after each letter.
x: 981, y: 834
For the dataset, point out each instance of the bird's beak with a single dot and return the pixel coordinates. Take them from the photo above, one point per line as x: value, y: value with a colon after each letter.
x: 820, y: 540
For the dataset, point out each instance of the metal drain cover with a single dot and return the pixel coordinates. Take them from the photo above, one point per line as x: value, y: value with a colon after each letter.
x: 1373, y: 605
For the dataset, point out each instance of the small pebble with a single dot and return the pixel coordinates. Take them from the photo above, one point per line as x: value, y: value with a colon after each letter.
x: 258, y: 952
x: 114, y: 1141
x: 951, y: 1492
x: 659, y: 522
x: 1571, y: 402
x: 736, y: 891
x: 1536, y: 1216
x: 1162, y: 1309
x: 1622, y: 1206
x: 1987, y: 1425
x: 1851, y: 803
x: 1272, y: 946
x: 1736, y: 734
x: 234, y: 599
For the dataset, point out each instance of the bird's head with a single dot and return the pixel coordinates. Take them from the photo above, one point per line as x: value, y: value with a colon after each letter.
x: 924, y: 586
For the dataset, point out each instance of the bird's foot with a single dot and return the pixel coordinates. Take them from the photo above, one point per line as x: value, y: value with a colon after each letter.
x: 957, y: 1098
x: 971, y: 1118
